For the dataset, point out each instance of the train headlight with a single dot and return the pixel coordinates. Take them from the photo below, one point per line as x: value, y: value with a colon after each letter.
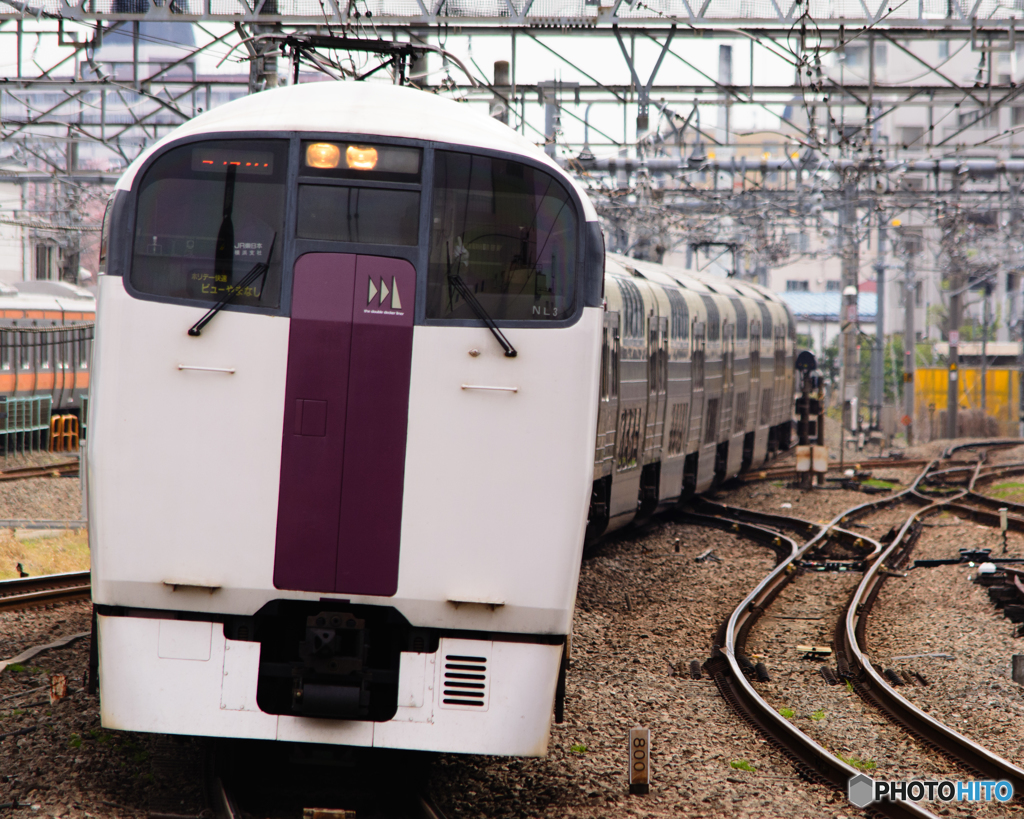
x: 361, y: 158
x: 324, y: 155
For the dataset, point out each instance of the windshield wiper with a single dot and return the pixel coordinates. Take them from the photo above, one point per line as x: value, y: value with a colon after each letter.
x: 259, y: 269
x: 456, y: 280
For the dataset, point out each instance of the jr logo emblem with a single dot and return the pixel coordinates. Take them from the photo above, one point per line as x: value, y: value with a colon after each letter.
x: 396, y: 302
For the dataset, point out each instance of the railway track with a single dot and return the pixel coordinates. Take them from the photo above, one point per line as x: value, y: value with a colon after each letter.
x: 64, y: 468
x: 938, y: 487
x: 31, y: 592
x: 342, y: 785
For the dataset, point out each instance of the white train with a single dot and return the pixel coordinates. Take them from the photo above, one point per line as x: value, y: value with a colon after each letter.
x: 697, y: 386
x: 346, y: 389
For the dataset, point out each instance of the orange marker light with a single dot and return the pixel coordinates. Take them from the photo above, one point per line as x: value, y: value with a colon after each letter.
x: 323, y: 155
x: 361, y: 159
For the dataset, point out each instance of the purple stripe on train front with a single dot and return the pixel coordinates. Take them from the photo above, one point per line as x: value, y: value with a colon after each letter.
x: 375, y: 432
x: 313, y: 445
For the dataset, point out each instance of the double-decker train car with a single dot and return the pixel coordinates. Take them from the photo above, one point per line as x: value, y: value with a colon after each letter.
x: 342, y: 425
x: 46, y: 333
x: 696, y: 386
x: 355, y: 346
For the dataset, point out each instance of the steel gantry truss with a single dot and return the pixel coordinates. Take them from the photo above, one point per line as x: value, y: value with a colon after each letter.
x: 728, y: 126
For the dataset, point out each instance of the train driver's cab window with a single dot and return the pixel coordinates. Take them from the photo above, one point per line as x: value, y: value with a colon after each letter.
x: 503, y: 234
x: 210, y: 218
x: 358, y: 213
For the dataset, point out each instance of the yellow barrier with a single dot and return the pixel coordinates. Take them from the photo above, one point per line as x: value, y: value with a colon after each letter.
x: 63, y: 433
x: 56, y: 433
x: 70, y: 436
x: 1001, y: 401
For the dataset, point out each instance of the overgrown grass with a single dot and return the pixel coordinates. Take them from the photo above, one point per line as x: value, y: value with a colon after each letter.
x: 859, y: 763
x: 67, y: 552
x: 880, y: 484
x: 1009, y: 490
x: 742, y: 765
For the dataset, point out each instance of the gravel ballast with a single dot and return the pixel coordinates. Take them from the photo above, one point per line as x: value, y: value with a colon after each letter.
x: 644, y: 612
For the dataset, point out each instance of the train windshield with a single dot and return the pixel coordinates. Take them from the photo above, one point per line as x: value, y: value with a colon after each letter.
x: 208, y: 213
x: 508, y: 233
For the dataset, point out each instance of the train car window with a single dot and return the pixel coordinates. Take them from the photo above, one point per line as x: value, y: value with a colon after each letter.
x: 697, y: 367
x: 663, y: 354
x: 792, y: 323
x: 677, y: 428
x: 711, y: 416
x: 45, y: 351
x: 632, y: 310
x: 766, y: 320
x: 5, y: 351
x: 755, y: 350
x: 780, y: 352
x: 653, y: 359
x: 24, y: 352
x: 728, y: 356
x: 713, y: 318
x: 680, y: 329
x: 742, y: 405
x: 509, y: 232
x: 369, y: 215
x: 207, y: 213
x: 741, y: 318
x: 105, y: 234
x: 347, y: 160
x: 606, y: 364
x: 616, y: 344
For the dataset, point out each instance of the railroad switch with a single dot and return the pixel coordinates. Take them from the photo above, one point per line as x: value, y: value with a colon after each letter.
x: 968, y: 556
x: 833, y: 565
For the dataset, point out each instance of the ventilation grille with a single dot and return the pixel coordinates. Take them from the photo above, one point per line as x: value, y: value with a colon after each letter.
x: 465, y: 683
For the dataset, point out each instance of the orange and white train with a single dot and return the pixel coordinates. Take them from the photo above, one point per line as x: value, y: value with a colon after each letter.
x: 46, y: 332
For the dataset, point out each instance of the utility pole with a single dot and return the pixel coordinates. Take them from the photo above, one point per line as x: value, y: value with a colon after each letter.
x: 849, y: 323
x: 1020, y: 379
x: 955, y: 318
x: 984, y: 347
x: 877, y: 397
x: 909, y: 342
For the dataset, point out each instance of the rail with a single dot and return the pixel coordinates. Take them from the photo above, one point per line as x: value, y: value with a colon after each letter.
x: 30, y: 592
x: 726, y: 666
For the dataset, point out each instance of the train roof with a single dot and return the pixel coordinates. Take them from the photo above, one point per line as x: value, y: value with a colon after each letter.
x: 48, y: 296
x: 64, y: 290
x: 376, y: 109
x: 689, y: 279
